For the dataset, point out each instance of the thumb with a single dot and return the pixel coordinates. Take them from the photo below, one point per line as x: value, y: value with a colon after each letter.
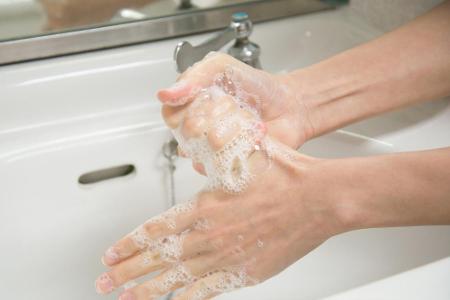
x: 198, y: 76
x: 201, y: 75
x: 178, y: 94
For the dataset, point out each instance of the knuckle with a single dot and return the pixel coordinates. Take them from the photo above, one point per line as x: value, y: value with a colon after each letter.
x: 214, y: 239
x: 118, y: 275
x: 193, y: 127
x: 216, y: 242
x: 151, y: 228
x: 224, y: 106
x: 194, y: 243
x: 172, y: 115
x: 205, y: 204
x: 215, y: 140
x: 219, y: 137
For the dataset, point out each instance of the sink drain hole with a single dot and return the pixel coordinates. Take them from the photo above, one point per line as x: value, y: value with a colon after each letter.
x: 106, y: 174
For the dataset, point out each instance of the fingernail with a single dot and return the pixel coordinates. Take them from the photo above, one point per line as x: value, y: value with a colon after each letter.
x: 175, y: 95
x: 111, y: 256
x: 127, y: 295
x: 104, y: 284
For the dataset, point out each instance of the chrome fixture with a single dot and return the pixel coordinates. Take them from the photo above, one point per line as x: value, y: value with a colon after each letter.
x: 244, y: 50
x: 170, y: 150
x: 185, y: 4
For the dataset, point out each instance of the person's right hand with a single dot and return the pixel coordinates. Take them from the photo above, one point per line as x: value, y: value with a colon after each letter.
x: 222, y: 241
x: 274, y: 96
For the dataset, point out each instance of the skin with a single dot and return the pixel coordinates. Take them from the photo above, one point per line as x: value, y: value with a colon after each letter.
x: 312, y: 199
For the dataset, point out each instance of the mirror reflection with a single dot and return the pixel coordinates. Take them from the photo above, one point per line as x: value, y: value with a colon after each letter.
x: 25, y: 18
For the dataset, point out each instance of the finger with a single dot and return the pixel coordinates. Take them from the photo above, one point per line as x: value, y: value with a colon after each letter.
x: 173, y: 115
x: 177, y: 94
x: 179, y: 276
x: 223, y: 134
x: 199, y: 168
x: 198, y: 76
x: 199, y: 119
x: 181, y: 153
x: 213, y: 285
x: 204, y: 73
x: 207, y: 108
x: 132, y: 268
x: 226, y: 117
x: 194, y: 127
x: 165, y: 252
x: 173, y: 221
x: 218, y: 137
x: 202, y: 289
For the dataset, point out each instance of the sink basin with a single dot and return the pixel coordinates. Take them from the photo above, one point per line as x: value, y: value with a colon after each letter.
x: 64, y: 117
x: 417, y: 280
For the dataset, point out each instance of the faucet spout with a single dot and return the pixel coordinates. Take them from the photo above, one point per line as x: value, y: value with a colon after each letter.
x: 240, y: 29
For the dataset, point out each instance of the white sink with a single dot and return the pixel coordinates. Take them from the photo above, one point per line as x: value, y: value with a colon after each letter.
x: 425, y: 282
x: 63, y: 117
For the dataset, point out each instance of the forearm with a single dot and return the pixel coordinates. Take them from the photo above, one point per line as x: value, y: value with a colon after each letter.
x: 406, y: 66
x: 389, y: 190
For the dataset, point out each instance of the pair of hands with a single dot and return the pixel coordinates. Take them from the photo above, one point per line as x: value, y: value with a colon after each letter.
x: 223, y: 241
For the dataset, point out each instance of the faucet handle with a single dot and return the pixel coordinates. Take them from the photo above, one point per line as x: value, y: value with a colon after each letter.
x: 240, y: 29
x: 243, y: 49
x: 242, y: 24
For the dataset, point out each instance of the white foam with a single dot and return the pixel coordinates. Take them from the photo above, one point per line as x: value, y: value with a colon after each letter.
x: 147, y: 257
x: 169, y: 248
x: 226, y: 168
x: 202, y: 224
x: 223, y: 281
x: 169, y: 217
x: 260, y: 243
x: 178, y: 274
x: 130, y: 284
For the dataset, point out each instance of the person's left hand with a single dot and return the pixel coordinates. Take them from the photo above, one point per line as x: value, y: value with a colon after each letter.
x: 223, y: 241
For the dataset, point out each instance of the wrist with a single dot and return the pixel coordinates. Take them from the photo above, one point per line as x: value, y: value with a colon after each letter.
x: 332, y: 96
x: 333, y: 184
x: 304, y: 108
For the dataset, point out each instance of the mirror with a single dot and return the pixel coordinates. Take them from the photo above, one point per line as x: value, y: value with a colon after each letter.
x: 28, y: 18
x: 38, y: 29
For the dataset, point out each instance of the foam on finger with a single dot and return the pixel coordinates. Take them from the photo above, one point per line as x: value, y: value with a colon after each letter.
x: 232, y: 135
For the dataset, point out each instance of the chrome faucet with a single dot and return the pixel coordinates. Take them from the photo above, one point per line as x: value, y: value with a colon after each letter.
x: 244, y: 50
x: 185, y: 4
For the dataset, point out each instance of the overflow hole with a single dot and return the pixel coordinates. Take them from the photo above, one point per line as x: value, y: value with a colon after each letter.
x: 106, y: 174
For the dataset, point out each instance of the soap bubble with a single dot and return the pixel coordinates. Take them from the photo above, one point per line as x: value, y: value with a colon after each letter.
x: 227, y: 168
